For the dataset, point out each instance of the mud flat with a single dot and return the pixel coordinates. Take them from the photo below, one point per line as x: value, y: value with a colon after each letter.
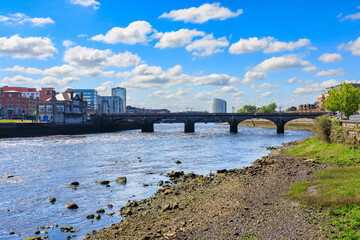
x: 233, y: 204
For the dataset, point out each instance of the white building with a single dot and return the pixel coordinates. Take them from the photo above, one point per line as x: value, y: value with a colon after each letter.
x: 219, y: 106
x: 120, y: 92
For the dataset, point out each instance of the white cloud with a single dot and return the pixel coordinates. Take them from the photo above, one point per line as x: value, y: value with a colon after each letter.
x: 291, y: 80
x: 68, y: 43
x: 82, y: 35
x: 251, y: 76
x: 335, y: 72
x: 267, y: 44
x: 144, y: 76
x: 31, y: 47
x: 207, y: 46
x: 330, y: 57
x: 266, y: 94
x: 280, y: 63
x: 43, y: 81
x: 310, y: 69
x: 20, y: 18
x: 353, y: 47
x: 202, y: 14
x: 355, y: 16
x: 136, y: 32
x: 265, y: 85
x: 95, y: 58
x: 171, y: 94
x: 86, y: 3
x: 178, y: 38
x: 204, y: 95
x: 105, y: 88
x: 314, y: 88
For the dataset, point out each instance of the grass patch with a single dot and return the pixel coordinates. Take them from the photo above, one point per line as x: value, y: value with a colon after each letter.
x: 335, y: 187
x: 318, y: 152
x: 14, y: 121
x: 344, y: 223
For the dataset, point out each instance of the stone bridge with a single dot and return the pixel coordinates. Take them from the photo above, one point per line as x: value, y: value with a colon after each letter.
x: 189, y: 119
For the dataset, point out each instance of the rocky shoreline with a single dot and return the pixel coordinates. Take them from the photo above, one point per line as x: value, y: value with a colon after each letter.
x: 243, y: 203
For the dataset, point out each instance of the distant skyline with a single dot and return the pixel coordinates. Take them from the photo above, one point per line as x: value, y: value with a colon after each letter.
x: 177, y: 54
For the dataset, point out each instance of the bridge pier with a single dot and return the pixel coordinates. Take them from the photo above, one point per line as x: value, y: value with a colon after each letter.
x: 147, y: 127
x: 189, y: 127
x: 280, y: 126
x: 233, y: 126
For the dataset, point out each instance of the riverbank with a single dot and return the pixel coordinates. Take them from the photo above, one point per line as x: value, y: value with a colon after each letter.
x: 236, y: 204
x: 298, y: 124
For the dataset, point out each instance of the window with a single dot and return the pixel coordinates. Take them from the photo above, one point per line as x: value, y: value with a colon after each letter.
x: 49, y: 108
x: 41, y: 108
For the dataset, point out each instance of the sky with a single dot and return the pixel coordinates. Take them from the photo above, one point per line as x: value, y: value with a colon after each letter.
x: 181, y: 54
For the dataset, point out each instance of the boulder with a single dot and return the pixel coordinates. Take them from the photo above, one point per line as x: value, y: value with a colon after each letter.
x: 73, y: 184
x: 103, y: 182
x: 175, y: 174
x: 66, y: 228
x: 160, y: 183
x: 101, y: 210
x: 37, y: 232
x: 52, y: 200
x: 110, y: 206
x: 145, y: 184
x: 221, y: 171
x: 71, y: 205
x: 91, y: 216
x: 121, y: 180
x: 178, y: 162
x: 97, y: 217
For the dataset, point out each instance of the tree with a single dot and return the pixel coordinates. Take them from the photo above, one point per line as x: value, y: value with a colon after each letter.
x: 348, y: 95
x: 269, y: 108
x: 291, y: 109
x: 247, y: 109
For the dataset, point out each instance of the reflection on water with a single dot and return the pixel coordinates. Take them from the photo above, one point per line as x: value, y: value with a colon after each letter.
x: 41, y: 168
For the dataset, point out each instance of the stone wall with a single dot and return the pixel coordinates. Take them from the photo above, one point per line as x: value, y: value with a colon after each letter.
x: 348, y: 133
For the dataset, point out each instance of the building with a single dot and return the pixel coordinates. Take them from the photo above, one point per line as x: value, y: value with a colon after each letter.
x: 45, y: 93
x: 134, y: 110
x: 25, y: 92
x: 120, y: 92
x: 110, y: 104
x: 91, y: 95
x: 219, y: 106
x: 16, y: 104
x: 309, y: 108
x: 63, y: 108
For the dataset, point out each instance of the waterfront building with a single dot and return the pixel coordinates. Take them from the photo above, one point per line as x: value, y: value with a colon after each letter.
x: 219, y: 106
x: 91, y: 95
x: 45, y: 93
x: 110, y: 104
x: 25, y: 92
x: 63, y: 108
x: 120, y: 92
x: 16, y: 104
x: 135, y: 110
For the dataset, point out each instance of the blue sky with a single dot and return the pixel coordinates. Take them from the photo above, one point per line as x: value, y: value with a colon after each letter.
x: 176, y: 54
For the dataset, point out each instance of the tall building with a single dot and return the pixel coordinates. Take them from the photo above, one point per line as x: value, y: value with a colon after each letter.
x: 219, y: 106
x: 110, y: 104
x: 120, y: 92
x: 91, y: 97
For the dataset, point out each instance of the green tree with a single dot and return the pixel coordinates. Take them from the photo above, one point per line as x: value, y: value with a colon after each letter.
x: 247, y: 109
x: 269, y: 108
x: 348, y: 95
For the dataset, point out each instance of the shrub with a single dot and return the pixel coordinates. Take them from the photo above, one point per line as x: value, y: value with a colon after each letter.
x: 322, y: 128
x: 336, y: 124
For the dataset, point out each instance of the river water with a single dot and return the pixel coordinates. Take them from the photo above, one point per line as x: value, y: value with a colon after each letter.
x: 43, y: 166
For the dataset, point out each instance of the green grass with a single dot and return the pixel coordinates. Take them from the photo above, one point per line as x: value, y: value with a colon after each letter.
x: 344, y: 223
x: 334, y: 154
x: 13, y: 121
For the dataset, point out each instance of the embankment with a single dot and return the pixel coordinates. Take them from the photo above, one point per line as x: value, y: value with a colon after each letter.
x: 235, y: 204
x: 298, y: 124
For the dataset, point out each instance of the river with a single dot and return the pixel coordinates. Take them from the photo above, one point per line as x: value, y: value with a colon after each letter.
x: 41, y: 167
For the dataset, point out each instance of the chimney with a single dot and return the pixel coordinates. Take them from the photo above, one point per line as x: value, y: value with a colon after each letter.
x: 53, y: 93
x: 71, y: 95
x: 82, y: 96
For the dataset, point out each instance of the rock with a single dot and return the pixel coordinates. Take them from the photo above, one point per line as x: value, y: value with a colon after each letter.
x: 56, y: 225
x: 74, y: 230
x: 189, y: 175
x: 103, y: 182
x: 91, y: 216
x: 71, y: 205
x: 73, y: 184
x: 37, y: 232
x: 145, y: 185
x: 11, y: 233
x: 101, y: 210
x: 110, y: 214
x: 178, y: 162
x: 10, y: 176
x: 121, y: 180
x: 110, y: 206
x: 160, y: 183
x: 33, y: 238
x: 97, y: 217
x: 68, y: 237
x: 167, y: 191
x: 165, y: 208
x: 131, y: 204
x: 175, y: 174
x: 221, y: 171
x: 44, y: 232
x: 66, y: 228
x: 52, y: 200
x: 108, y: 185
x: 128, y: 212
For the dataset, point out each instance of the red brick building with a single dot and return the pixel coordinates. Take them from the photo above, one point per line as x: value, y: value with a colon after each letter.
x: 45, y: 94
x: 14, y: 104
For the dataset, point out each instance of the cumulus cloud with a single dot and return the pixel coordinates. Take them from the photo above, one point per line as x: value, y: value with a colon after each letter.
x: 204, y: 95
x: 291, y: 80
x: 266, y: 94
x: 314, y: 87
x: 90, y: 58
x: 171, y: 94
x: 30, y: 47
x: 265, y: 85
x: 43, y: 81
x: 86, y: 3
x: 330, y: 57
x: 310, y: 69
x: 280, y: 63
x: 178, y: 38
x: 144, y: 76
x: 105, y: 88
x: 353, y: 47
x: 267, y: 44
x: 135, y: 32
x: 335, y: 72
x: 207, y: 46
x: 202, y: 14
x: 20, y: 18
x: 68, y: 43
x: 251, y: 76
